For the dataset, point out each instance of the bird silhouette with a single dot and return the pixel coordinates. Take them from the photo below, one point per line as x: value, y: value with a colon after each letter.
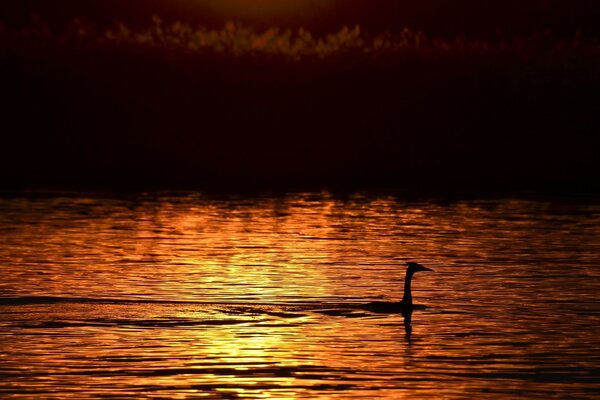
x: 406, y: 304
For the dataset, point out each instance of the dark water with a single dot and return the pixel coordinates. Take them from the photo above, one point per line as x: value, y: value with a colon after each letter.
x: 191, y: 295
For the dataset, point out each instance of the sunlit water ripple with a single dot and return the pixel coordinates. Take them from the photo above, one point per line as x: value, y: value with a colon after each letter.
x: 225, y: 297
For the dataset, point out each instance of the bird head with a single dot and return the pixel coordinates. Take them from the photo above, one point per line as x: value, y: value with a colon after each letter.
x: 415, y: 267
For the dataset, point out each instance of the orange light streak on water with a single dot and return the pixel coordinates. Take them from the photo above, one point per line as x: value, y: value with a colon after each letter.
x: 258, y: 297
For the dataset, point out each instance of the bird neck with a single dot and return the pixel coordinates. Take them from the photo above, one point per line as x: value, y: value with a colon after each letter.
x: 407, y: 298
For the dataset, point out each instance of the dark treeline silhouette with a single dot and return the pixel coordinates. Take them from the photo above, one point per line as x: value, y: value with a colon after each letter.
x: 448, y: 18
x: 136, y: 108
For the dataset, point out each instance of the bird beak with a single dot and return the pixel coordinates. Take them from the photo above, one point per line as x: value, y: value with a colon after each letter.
x: 427, y: 269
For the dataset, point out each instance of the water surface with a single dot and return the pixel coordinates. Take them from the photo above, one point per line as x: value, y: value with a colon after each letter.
x: 254, y: 297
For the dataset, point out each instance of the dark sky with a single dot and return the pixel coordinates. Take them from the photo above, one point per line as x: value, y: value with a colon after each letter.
x: 438, y: 17
x: 90, y: 113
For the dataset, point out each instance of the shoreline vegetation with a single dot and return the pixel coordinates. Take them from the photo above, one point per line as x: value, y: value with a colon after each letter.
x: 183, y: 105
x: 237, y: 40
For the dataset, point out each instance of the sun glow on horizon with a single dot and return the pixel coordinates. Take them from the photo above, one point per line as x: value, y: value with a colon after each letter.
x: 265, y: 8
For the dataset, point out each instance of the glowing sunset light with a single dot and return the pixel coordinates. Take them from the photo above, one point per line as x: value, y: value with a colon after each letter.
x: 264, y: 8
x: 241, y: 199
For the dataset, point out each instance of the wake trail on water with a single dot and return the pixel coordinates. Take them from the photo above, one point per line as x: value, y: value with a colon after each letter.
x: 33, y: 300
x: 49, y: 312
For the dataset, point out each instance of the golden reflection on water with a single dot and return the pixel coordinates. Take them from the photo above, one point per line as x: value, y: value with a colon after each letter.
x: 259, y: 297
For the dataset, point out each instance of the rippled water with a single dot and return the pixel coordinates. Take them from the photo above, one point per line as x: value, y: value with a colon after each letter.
x: 192, y: 295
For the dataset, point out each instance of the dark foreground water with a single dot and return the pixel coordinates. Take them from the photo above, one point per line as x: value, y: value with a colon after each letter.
x: 198, y: 296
